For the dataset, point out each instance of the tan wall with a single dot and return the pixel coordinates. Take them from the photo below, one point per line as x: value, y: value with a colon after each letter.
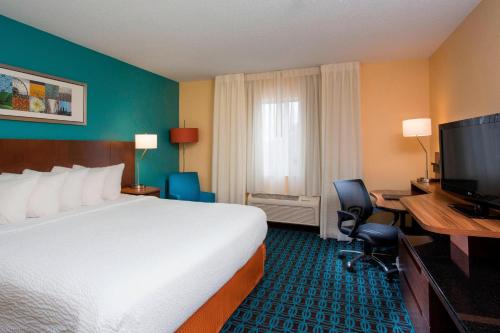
x: 461, y: 80
x: 465, y: 70
x: 391, y: 92
x: 196, y: 108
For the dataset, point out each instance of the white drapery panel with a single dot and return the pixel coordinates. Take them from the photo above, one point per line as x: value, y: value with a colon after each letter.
x: 229, y: 140
x: 340, y: 137
x: 284, y: 132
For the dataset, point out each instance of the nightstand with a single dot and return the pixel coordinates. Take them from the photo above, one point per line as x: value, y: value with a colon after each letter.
x: 148, y: 190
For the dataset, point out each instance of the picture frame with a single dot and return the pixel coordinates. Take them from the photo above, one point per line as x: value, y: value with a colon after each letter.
x: 27, y: 95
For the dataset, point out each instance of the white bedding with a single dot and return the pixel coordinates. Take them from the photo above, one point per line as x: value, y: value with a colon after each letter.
x: 137, y: 264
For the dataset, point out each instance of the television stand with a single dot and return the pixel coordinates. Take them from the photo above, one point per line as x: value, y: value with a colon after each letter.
x: 475, y: 211
x: 470, y: 237
x: 447, y: 280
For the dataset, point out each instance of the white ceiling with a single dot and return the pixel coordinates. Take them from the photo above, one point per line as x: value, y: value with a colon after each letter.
x: 189, y: 39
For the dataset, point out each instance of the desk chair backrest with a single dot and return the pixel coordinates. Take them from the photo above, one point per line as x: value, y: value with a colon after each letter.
x: 354, y: 198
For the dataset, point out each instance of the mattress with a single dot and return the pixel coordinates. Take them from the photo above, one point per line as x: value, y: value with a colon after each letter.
x: 137, y: 264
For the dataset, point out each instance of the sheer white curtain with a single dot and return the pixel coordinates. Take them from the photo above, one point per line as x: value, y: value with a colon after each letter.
x: 283, y: 132
x: 340, y: 137
x: 267, y: 133
x: 229, y: 140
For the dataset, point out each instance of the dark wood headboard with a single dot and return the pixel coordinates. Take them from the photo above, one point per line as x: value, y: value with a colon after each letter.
x: 41, y: 155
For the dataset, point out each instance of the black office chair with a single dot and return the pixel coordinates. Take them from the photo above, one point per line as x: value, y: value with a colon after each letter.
x: 357, y: 207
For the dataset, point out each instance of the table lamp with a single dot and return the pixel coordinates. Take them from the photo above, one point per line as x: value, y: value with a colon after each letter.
x: 143, y: 141
x: 416, y: 128
x: 183, y: 135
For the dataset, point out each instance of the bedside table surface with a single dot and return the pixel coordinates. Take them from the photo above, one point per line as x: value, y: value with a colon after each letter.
x: 142, y: 191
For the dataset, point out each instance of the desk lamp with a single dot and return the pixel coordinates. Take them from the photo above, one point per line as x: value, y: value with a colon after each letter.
x: 143, y: 141
x: 417, y: 128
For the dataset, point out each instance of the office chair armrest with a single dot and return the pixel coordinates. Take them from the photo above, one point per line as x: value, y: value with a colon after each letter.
x: 173, y: 196
x: 344, y: 216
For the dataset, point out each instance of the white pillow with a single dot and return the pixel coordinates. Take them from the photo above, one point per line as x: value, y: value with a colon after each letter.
x: 45, y: 199
x: 72, y: 189
x: 93, y: 186
x: 113, y: 182
x: 15, y: 192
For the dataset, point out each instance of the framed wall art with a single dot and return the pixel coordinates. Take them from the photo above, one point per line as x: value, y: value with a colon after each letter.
x: 32, y: 96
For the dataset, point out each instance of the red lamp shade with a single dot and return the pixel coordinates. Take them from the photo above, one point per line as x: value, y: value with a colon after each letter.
x: 183, y: 135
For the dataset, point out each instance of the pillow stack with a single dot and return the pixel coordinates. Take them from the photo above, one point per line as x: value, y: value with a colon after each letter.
x: 39, y: 194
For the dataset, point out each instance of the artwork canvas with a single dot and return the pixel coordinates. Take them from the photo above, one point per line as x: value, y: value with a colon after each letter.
x: 30, y: 96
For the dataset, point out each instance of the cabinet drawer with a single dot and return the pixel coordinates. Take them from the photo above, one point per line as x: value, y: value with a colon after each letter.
x: 413, y: 275
x: 418, y: 320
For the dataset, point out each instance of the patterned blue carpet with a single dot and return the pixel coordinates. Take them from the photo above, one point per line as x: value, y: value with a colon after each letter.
x: 307, y: 289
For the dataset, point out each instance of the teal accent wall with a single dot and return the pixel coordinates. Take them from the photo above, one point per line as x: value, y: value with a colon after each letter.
x: 122, y: 99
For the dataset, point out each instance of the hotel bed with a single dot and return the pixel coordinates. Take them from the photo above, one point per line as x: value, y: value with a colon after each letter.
x: 135, y: 264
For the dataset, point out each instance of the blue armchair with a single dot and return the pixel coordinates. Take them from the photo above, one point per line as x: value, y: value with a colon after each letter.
x: 186, y: 186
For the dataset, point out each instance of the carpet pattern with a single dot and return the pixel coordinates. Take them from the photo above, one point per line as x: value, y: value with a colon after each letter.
x: 307, y: 289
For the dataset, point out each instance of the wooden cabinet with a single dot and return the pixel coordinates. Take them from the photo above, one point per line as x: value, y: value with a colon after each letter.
x: 414, y: 285
x: 427, y: 307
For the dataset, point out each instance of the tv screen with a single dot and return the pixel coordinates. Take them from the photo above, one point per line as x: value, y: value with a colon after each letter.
x: 470, y: 159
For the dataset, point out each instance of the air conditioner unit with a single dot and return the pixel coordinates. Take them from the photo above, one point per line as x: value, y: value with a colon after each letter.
x: 293, y: 209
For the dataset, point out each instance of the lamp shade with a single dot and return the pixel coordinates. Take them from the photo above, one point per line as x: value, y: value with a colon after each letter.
x: 417, y: 127
x: 145, y: 141
x: 183, y: 135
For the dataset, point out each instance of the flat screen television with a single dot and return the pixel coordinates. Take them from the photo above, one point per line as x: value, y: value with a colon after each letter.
x: 470, y: 163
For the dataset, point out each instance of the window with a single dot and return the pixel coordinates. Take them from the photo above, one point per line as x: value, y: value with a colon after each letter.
x: 283, y: 145
x: 279, y: 127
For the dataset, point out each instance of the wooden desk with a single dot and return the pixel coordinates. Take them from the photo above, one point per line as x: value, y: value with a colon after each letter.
x: 422, y: 188
x: 470, y: 238
x: 432, y: 212
x: 438, y: 296
x: 389, y: 205
x: 393, y: 206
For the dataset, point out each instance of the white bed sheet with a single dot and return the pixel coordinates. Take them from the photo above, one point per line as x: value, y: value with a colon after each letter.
x: 137, y: 264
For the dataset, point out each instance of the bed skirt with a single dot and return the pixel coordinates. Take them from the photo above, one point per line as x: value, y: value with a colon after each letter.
x: 212, y: 315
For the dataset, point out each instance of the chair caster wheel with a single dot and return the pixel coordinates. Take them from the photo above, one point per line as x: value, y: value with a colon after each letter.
x: 349, y: 268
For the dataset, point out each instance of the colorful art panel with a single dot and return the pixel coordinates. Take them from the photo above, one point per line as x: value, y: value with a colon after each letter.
x: 5, y: 84
x: 21, y: 102
x: 65, y: 94
x: 51, y: 91
x: 37, y: 89
x: 20, y: 86
x: 51, y: 106
x: 64, y: 108
x: 5, y: 92
x: 26, y: 95
x: 37, y: 104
